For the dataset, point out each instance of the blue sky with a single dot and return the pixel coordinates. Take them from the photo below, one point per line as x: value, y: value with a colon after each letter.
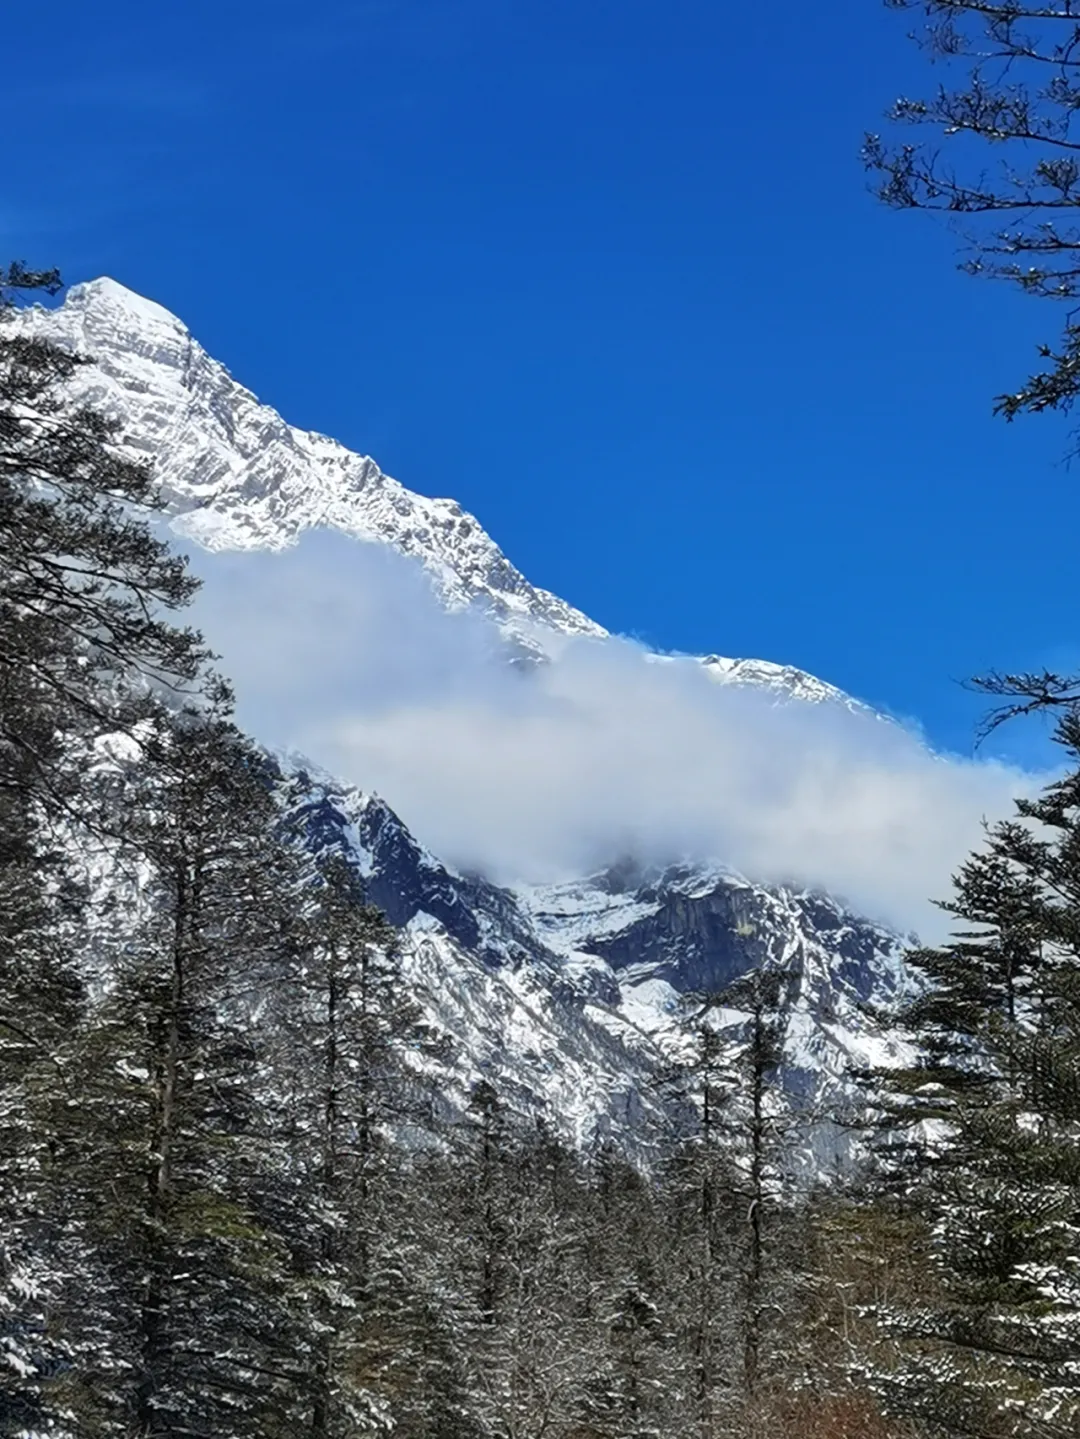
x: 609, y: 275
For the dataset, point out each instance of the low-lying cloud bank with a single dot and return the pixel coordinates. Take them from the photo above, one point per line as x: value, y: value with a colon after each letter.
x: 342, y: 650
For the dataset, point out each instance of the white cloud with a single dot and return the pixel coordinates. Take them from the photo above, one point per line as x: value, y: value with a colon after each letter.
x: 342, y: 650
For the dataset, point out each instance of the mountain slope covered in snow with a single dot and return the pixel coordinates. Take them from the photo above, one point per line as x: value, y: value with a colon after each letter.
x: 237, y: 476
x: 571, y: 995
x: 568, y: 993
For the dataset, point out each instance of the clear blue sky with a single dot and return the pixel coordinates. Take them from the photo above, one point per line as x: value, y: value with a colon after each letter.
x: 608, y: 274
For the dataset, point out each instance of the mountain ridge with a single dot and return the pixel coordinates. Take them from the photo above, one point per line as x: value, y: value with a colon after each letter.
x: 235, y: 475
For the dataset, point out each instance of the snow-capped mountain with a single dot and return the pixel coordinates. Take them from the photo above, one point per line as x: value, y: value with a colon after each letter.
x: 237, y: 476
x: 569, y: 992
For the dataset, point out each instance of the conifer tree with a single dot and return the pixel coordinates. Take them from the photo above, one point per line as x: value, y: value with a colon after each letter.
x: 485, y: 1170
x: 700, y: 1192
x: 84, y: 587
x: 992, y: 1119
x: 737, y: 1157
x: 42, y: 1001
x: 540, y: 1351
x: 641, y: 1286
x: 513, y: 1246
x: 636, y: 1399
x: 172, y: 1157
x: 343, y: 1022
x: 757, y: 1064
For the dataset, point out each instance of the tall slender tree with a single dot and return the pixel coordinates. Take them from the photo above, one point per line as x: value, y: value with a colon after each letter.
x: 342, y: 1025
x: 85, y: 589
x: 702, y: 1191
x: 638, y: 1282
x: 173, y: 1155
x: 992, y: 1114
x: 42, y: 1003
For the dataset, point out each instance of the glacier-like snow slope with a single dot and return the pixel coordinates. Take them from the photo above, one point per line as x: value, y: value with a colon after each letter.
x: 566, y: 994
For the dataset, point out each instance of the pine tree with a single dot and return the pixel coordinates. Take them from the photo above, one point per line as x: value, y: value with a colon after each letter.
x: 540, y: 1348
x: 636, y: 1397
x: 172, y: 1157
x: 634, y: 1278
x: 757, y: 1064
x: 991, y: 1116
x: 700, y: 1194
x: 42, y: 1001
x: 737, y: 1155
x: 84, y: 587
x: 342, y: 1023
x: 512, y: 1238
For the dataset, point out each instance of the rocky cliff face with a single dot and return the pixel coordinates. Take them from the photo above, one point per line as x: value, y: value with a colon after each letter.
x: 569, y: 996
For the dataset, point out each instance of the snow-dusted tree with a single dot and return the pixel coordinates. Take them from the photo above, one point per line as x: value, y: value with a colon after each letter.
x: 758, y: 1124
x: 484, y: 1162
x: 631, y: 1256
x: 85, y: 588
x: 734, y: 1158
x: 700, y: 1189
x: 992, y: 1115
x: 512, y: 1267
x: 535, y: 1357
x: 173, y: 1157
x: 342, y: 1022
x: 634, y: 1395
x: 41, y: 1007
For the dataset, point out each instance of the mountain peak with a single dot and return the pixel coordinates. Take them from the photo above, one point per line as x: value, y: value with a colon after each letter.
x: 105, y: 293
x: 103, y: 320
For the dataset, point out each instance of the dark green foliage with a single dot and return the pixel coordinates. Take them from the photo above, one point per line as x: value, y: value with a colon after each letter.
x: 727, y: 1177
x: 164, y: 1159
x: 84, y: 584
x: 340, y: 1027
x: 41, y: 1004
x: 81, y: 585
x: 992, y: 1114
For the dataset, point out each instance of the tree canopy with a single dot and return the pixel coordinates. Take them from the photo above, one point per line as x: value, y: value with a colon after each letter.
x: 1002, y: 158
